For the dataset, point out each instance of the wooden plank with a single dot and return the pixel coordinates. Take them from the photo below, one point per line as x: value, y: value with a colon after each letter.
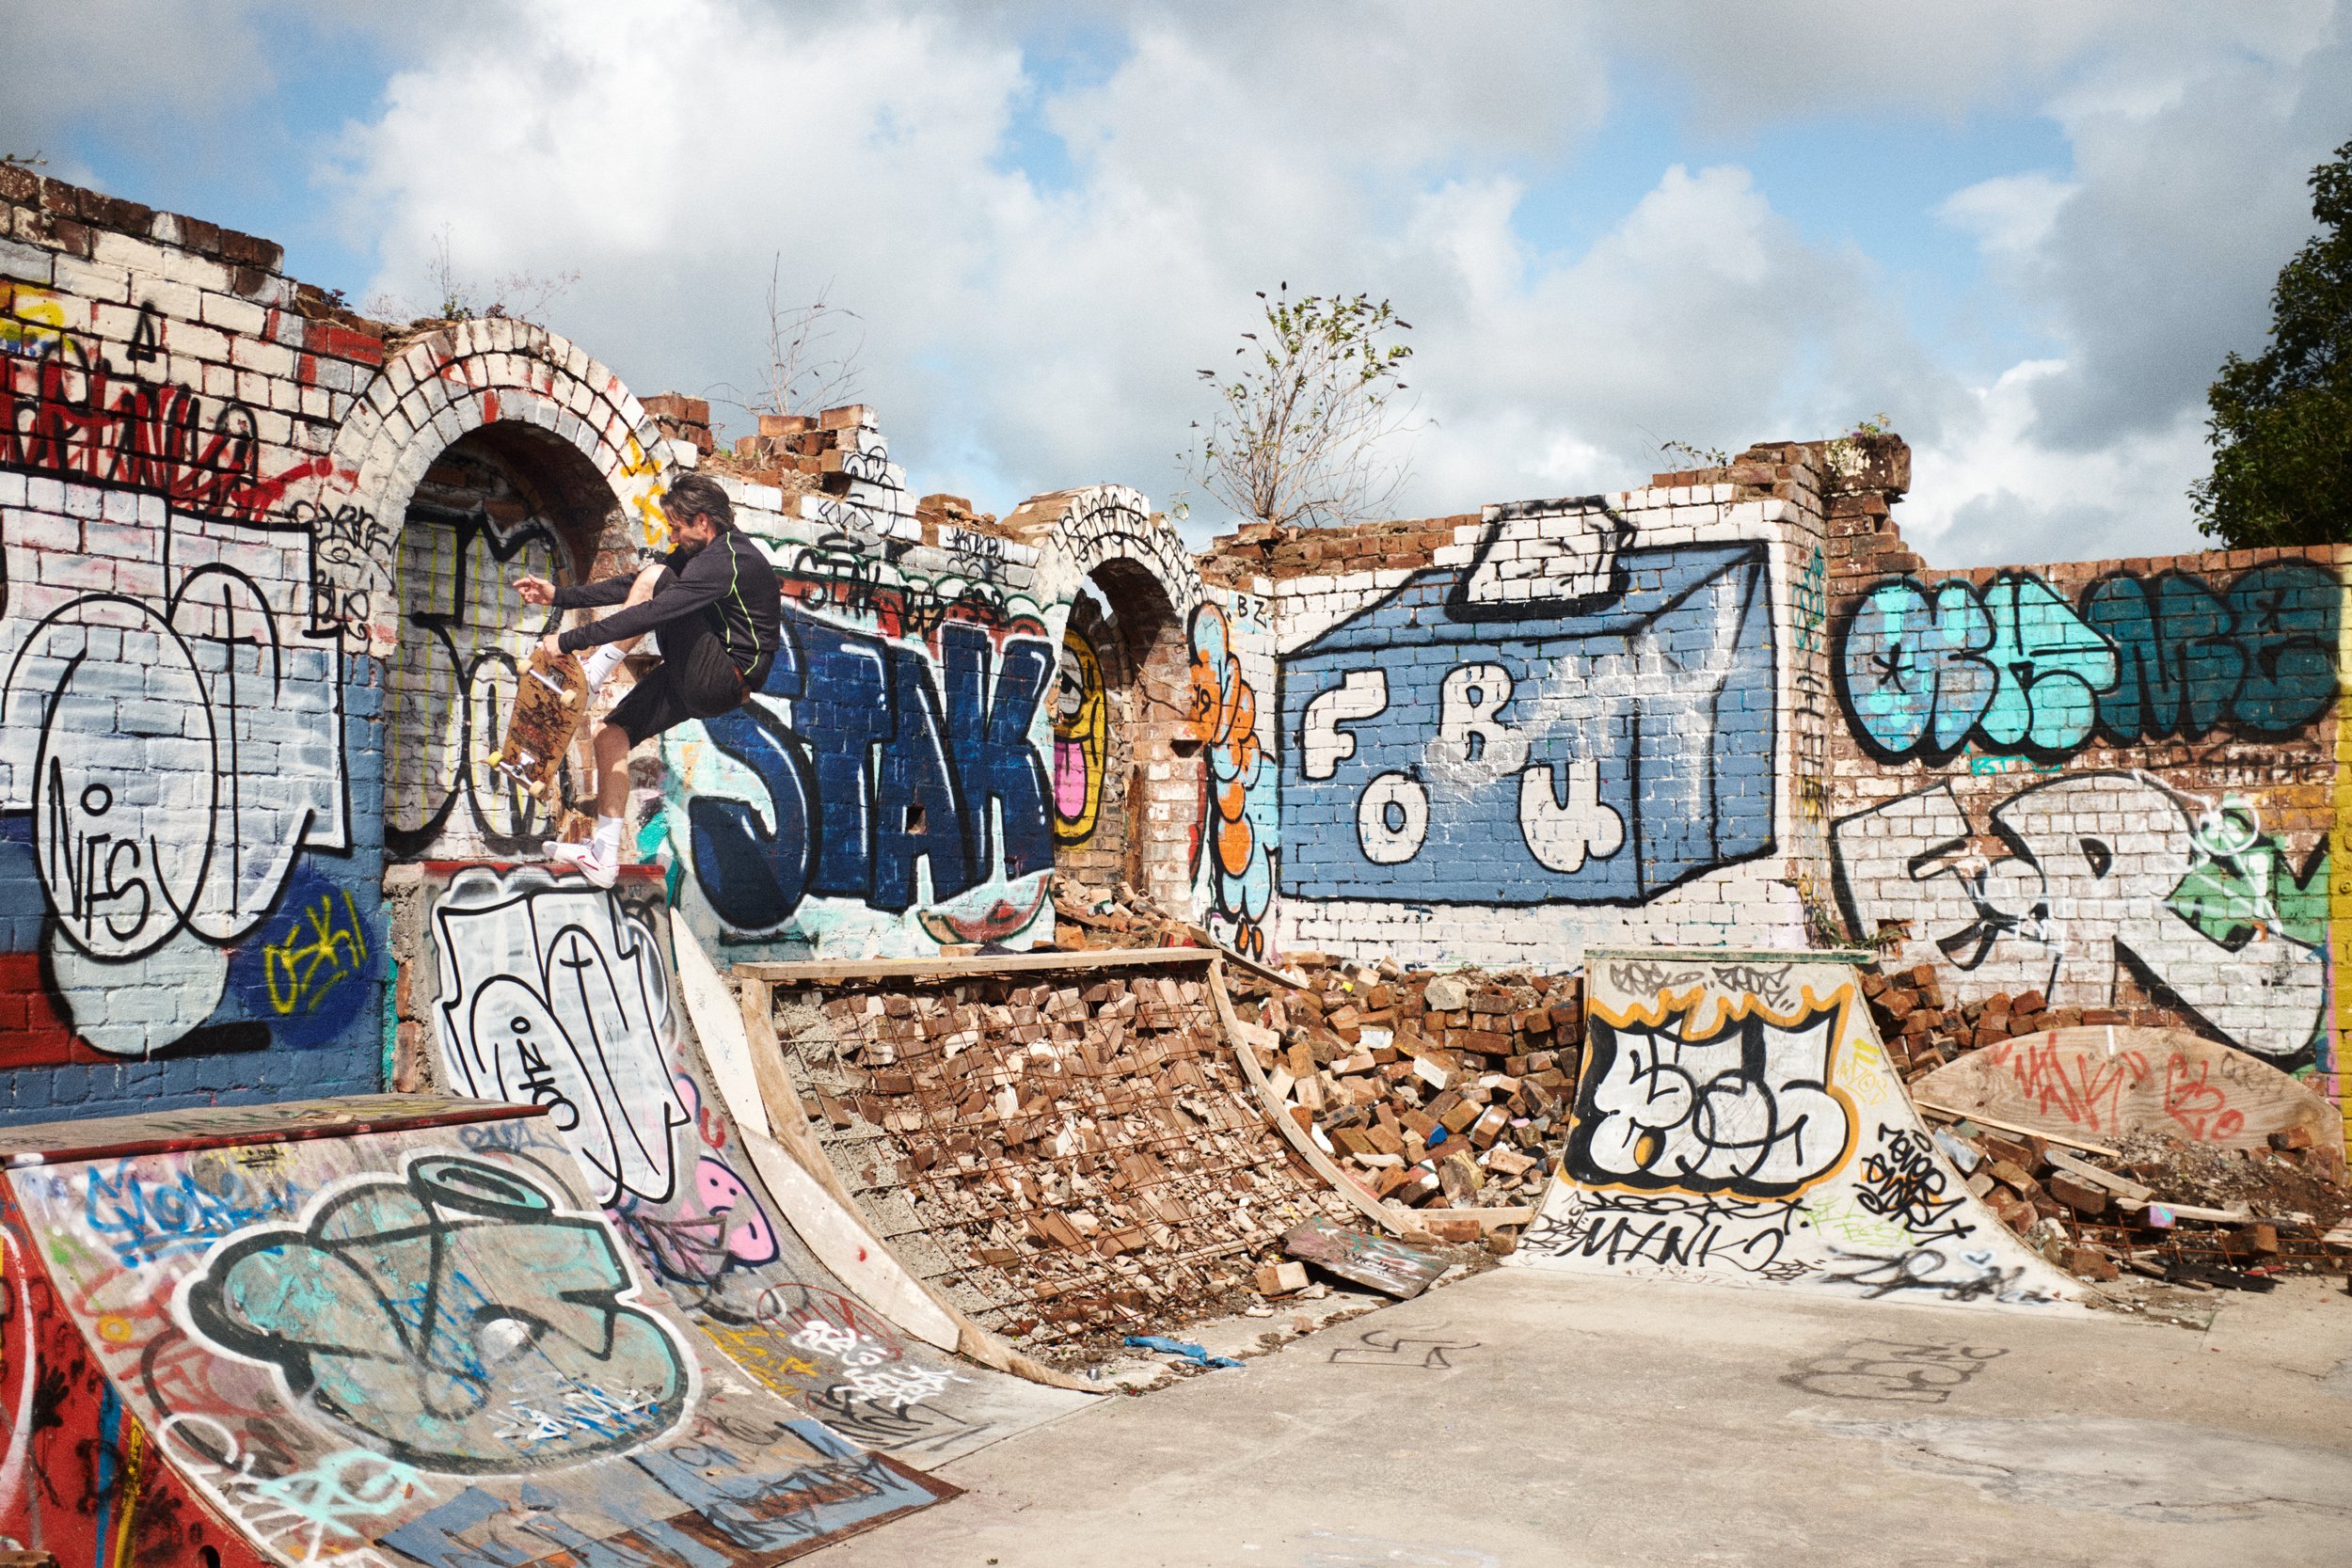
x: 2122, y: 1186
x: 1953, y: 1113
x: 234, y: 1126
x: 1386, y: 1266
x: 822, y: 972
x: 1387, y: 1217
x: 1489, y: 1218
x: 2240, y: 1216
x: 2096, y: 1082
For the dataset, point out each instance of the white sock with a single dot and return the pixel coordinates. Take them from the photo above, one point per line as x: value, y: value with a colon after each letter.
x: 608, y: 839
x: 601, y: 661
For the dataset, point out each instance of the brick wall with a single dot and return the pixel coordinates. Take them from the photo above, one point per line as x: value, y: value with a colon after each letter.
x: 2110, y: 784
x: 1573, y: 720
x: 205, y: 468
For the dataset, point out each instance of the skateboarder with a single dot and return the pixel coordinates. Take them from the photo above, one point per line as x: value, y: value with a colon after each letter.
x: 715, y: 606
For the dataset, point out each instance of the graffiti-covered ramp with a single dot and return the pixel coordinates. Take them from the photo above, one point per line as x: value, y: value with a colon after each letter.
x: 379, y: 1330
x: 1738, y: 1122
x: 541, y: 990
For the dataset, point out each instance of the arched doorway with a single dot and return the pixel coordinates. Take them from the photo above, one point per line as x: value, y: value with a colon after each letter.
x: 1126, y: 784
x: 502, y: 501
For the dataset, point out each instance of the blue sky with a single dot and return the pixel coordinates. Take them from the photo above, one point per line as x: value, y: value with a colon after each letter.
x: 2025, y: 233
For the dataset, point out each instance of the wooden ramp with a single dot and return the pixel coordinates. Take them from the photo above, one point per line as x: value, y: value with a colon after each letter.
x: 1738, y: 1122
x: 395, y: 1330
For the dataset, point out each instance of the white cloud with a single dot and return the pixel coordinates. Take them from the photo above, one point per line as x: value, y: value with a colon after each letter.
x: 1992, y: 493
x: 1027, y: 335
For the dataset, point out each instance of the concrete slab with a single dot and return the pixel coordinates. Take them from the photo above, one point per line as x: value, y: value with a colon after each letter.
x: 1546, y: 1419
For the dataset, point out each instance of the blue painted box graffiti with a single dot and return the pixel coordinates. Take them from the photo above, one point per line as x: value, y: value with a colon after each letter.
x: 1589, y: 751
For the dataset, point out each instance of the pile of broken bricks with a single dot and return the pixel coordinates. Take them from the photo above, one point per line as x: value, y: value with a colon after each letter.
x: 1069, y: 1160
x: 2099, y: 1213
x: 1922, y: 1030
x: 1447, y: 1091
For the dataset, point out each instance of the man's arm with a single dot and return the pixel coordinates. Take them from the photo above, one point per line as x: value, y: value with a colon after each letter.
x: 590, y: 595
x: 701, y: 584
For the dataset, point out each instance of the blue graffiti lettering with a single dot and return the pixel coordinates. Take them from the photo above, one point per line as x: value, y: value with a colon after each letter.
x: 954, y: 750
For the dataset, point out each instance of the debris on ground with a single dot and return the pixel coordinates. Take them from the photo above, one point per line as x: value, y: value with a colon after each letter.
x: 1195, y: 1354
x: 1391, y: 1267
x: 2191, y: 1214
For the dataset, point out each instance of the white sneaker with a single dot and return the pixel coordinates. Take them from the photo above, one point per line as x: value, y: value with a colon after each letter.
x: 588, y: 857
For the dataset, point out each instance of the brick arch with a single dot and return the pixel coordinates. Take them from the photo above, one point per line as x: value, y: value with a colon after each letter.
x: 1151, y: 803
x: 461, y: 378
x: 1078, y: 531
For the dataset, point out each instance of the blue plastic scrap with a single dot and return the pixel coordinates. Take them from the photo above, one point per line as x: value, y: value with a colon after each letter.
x: 1178, y: 1347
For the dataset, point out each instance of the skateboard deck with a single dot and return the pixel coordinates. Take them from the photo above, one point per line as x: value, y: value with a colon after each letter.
x: 551, y: 700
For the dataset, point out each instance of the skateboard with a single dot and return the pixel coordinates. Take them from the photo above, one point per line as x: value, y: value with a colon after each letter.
x: 551, y: 700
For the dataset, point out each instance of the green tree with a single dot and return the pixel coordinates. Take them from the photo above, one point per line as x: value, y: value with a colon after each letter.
x: 1298, y: 438
x: 2281, y: 425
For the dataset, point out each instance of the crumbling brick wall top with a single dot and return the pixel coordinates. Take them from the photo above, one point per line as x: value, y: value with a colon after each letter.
x: 1277, y: 550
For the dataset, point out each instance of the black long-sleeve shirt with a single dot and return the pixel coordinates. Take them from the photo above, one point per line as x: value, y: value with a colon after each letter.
x: 727, y: 582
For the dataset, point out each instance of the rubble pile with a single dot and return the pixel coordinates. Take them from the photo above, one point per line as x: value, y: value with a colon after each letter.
x: 1071, y: 1160
x: 1922, y: 1031
x: 2168, y: 1210
x: 1087, y: 918
x: 1445, y: 1089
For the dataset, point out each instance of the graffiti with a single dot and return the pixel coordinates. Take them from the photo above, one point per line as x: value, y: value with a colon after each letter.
x: 144, y: 1219
x: 2241, y: 884
x: 63, y: 413
x: 553, y: 994
x: 307, y: 969
x: 1239, y: 830
x: 887, y: 760
x: 173, y: 744
x: 1891, y: 1370
x: 347, y: 545
x: 465, y: 635
x: 1811, y: 607
x: 1110, y: 522
x: 1567, y: 733
x: 2097, y: 875
x: 1902, y: 1181
x: 716, y: 1225
x: 1672, y: 1231
x: 1420, y: 1349
x: 1970, y: 1277
x: 901, y: 1429
x: 1743, y: 1110
x: 1562, y: 552
x: 1767, y: 981
x: 2014, y: 669
x: 455, y: 1318
x: 1081, y: 739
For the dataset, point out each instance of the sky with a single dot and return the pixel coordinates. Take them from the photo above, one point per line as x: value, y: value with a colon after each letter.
x: 2025, y: 233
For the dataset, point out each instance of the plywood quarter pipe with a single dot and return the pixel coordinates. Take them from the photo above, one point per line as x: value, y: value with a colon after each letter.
x: 417, y: 1342
x: 551, y: 991
x: 1737, y: 1121
x: 2105, y: 1083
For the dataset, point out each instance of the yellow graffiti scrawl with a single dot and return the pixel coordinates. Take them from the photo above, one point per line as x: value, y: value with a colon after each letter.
x: 1081, y: 733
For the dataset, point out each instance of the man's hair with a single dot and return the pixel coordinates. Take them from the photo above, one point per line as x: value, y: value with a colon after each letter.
x: 693, y: 493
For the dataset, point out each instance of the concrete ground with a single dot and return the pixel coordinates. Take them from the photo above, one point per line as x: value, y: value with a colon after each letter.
x: 1543, y: 1421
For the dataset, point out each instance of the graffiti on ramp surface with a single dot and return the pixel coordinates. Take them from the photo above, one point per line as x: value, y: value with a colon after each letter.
x: 1738, y: 1122
x: 418, y: 1352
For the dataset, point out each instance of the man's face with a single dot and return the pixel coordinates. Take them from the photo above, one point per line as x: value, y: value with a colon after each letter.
x: 691, y: 533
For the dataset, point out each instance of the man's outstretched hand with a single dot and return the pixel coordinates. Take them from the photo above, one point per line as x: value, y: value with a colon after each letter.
x: 535, y: 590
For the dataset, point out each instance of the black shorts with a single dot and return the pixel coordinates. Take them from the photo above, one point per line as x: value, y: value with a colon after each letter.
x: 696, y: 679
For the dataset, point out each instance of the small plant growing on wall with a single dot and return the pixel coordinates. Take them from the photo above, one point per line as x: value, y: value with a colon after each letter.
x: 1300, y: 435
